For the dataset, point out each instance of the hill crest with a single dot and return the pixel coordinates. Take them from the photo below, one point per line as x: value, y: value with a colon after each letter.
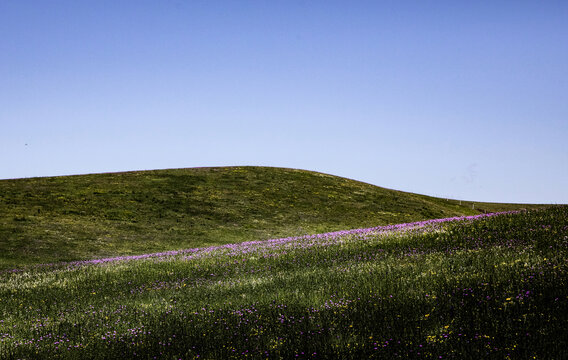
x: 78, y: 217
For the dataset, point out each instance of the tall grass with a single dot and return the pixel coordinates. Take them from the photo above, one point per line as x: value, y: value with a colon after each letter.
x: 477, y: 287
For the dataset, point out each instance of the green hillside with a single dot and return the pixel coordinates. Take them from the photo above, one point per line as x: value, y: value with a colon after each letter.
x: 77, y: 217
x: 485, y: 287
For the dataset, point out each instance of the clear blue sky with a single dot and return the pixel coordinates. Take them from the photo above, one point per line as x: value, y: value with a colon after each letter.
x: 466, y: 100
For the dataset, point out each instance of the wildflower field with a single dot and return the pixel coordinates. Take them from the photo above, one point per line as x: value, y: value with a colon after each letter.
x: 484, y: 286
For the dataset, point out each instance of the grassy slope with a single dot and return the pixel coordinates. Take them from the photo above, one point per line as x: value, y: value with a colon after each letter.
x: 77, y: 217
x: 495, y: 288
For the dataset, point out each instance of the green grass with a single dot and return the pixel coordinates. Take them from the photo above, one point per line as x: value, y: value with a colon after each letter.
x: 80, y: 217
x: 493, y: 287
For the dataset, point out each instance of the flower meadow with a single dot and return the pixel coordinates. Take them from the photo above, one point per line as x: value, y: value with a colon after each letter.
x: 486, y: 286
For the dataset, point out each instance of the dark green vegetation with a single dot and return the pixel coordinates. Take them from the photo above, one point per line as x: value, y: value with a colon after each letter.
x: 491, y: 288
x: 79, y: 217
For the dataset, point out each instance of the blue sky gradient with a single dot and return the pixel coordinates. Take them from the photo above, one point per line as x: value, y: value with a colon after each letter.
x: 466, y: 100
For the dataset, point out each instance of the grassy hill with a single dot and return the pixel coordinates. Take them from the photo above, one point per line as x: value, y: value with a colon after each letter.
x: 483, y: 287
x: 77, y: 217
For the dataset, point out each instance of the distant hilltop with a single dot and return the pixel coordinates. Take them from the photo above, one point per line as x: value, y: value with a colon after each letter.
x: 80, y: 217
